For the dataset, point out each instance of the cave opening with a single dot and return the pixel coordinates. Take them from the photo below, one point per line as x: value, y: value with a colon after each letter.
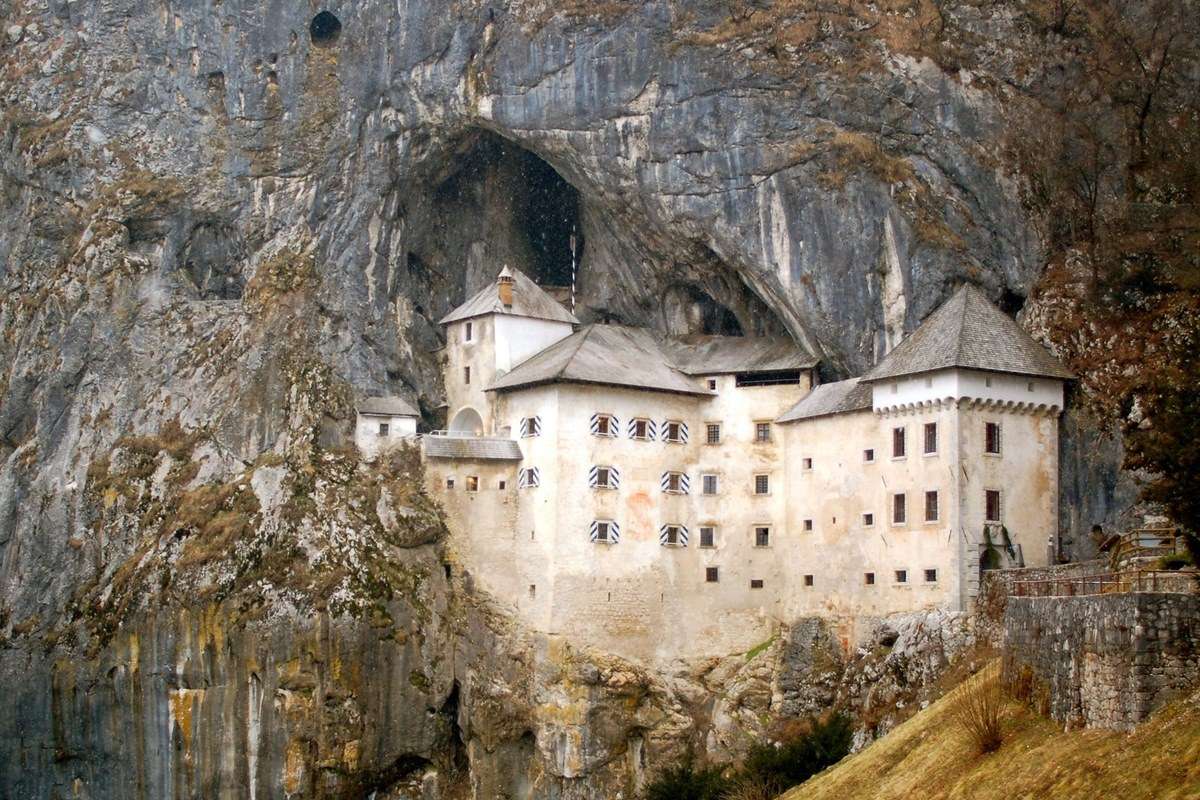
x: 325, y: 29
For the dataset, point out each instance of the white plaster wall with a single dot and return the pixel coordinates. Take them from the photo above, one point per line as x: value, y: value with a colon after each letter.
x: 366, y: 432
x: 960, y: 383
x: 518, y: 338
x: 480, y: 355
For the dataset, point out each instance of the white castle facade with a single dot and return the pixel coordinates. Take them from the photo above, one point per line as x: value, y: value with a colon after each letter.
x: 677, y: 498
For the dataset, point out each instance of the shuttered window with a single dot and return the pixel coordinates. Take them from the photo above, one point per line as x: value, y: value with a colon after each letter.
x: 529, y: 478
x: 531, y: 426
x: 605, y: 531
x: 675, y: 483
x: 675, y: 432
x: 604, y: 425
x: 602, y: 477
x: 673, y: 535
x: 642, y: 429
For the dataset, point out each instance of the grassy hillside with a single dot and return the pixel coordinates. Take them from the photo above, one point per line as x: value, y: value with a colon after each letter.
x: 929, y: 757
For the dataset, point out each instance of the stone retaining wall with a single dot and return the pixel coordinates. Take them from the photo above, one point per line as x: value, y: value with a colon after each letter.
x: 1105, y: 661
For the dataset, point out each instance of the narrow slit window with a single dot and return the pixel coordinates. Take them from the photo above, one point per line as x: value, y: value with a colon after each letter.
x: 992, y: 438
x: 469, y: 334
x: 931, y: 438
x: 899, y: 509
x: 806, y: 464
x: 898, y: 443
x: 808, y: 526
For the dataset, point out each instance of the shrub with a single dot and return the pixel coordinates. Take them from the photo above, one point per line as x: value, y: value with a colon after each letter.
x: 685, y: 781
x: 1174, y: 561
x: 978, y: 708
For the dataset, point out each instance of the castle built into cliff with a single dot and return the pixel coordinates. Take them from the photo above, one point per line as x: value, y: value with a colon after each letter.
x: 681, y: 497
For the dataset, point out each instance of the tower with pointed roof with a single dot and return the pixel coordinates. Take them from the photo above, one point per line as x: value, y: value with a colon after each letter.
x: 503, y: 324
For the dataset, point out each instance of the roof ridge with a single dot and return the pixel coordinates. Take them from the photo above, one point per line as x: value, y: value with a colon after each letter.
x: 965, y: 291
x: 584, y: 333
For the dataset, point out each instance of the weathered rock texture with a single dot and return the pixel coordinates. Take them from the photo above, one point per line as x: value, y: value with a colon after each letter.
x: 222, y: 223
x: 1103, y: 660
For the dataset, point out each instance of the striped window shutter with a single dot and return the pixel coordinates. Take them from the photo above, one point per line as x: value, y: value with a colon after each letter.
x: 651, y: 429
x: 613, y: 425
x: 614, y: 477
x: 531, y: 426
x: 683, y: 535
x: 683, y: 430
x: 529, y: 478
x: 685, y: 485
x: 614, y: 531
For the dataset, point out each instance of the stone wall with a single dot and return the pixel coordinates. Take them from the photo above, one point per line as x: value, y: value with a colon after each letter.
x: 1105, y: 660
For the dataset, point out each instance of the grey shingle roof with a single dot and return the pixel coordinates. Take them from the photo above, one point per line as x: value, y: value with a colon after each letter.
x: 391, y: 406
x: 830, y: 398
x: 529, y: 300
x: 968, y: 331
x: 614, y: 355
x: 717, y: 355
x: 471, y: 447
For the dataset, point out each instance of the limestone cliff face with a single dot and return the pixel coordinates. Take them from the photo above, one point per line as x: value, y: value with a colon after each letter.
x: 223, y: 222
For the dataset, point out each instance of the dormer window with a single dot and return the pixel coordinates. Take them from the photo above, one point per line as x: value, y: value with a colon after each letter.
x: 603, y: 425
x: 675, y: 483
x: 469, y: 332
x: 675, y: 432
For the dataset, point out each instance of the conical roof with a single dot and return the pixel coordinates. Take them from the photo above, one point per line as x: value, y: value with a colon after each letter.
x: 968, y: 331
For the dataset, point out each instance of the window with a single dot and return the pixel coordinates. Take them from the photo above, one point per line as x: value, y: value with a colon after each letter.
x: 469, y: 332
x: 869, y: 455
x: 712, y: 384
x: 530, y: 426
x: 603, y: 425
x: 869, y: 578
x: 992, y: 505
x: 675, y: 483
x: 383, y: 429
x: 987, y: 381
x: 929, y: 383
x: 806, y: 464
x: 808, y: 580
x: 762, y: 536
x: 600, y: 477
x: 502, y: 484
x: 991, y: 435
x: 708, y: 536
x: 762, y: 484
x: 641, y: 429
x: 808, y: 526
x: 762, y: 431
x: 472, y: 483
x: 673, y: 535
x: 868, y: 520
x: 756, y: 583
x: 898, y: 448
x: 709, y: 483
x: 1029, y: 386
x: 712, y: 433
x: 675, y: 432
x: 931, y: 576
x: 711, y: 575
x: 467, y: 375
x: 605, y: 531
x: 931, y: 506
x: 529, y: 478
x: 901, y: 576
x: 449, y: 483
x: 930, y: 438
x: 899, y: 510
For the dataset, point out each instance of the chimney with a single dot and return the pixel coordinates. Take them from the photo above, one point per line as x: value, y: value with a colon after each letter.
x: 504, y: 285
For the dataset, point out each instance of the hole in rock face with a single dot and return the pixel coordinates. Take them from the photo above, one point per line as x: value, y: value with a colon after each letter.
x: 324, y: 29
x: 1011, y: 302
x: 689, y: 309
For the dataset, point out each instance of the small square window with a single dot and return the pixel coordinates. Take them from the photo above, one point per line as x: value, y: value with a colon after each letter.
x: 931, y: 576
x: 762, y: 484
x: 869, y: 455
x: 806, y: 463
x: 898, y: 444
x: 604, y: 426
x: 469, y: 332
x: 383, y: 429
x: 931, y: 506
x: 466, y: 375
x: 712, y: 384
x: 712, y: 433
x: 641, y: 429
x: 762, y: 432
x: 756, y: 583
x: 502, y: 485
x: 901, y: 576
x: 472, y: 483
x: 708, y: 536
x: 673, y: 433
x: 808, y: 580
x: 709, y: 484
x: 899, y: 509
x: 931, y: 438
x: 449, y: 483
x: 808, y: 526
x: 762, y: 536
x: 711, y: 574
x: 869, y: 578
x: 868, y: 519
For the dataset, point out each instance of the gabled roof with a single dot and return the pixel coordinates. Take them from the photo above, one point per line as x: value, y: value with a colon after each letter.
x: 968, y: 331
x: 471, y: 447
x: 830, y: 398
x: 718, y: 355
x: 529, y: 300
x: 614, y: 355
x: 390, y: 406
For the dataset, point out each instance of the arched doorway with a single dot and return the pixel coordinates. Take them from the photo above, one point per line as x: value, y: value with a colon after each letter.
x: 467, y: 422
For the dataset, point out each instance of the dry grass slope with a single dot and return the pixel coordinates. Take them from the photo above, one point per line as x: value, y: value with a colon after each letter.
x: 931, y: 757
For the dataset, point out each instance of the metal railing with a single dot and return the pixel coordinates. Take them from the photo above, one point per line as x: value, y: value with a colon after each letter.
x: 1142, y: 580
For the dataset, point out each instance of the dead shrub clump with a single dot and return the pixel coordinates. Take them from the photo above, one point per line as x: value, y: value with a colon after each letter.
x: 978, y: 707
